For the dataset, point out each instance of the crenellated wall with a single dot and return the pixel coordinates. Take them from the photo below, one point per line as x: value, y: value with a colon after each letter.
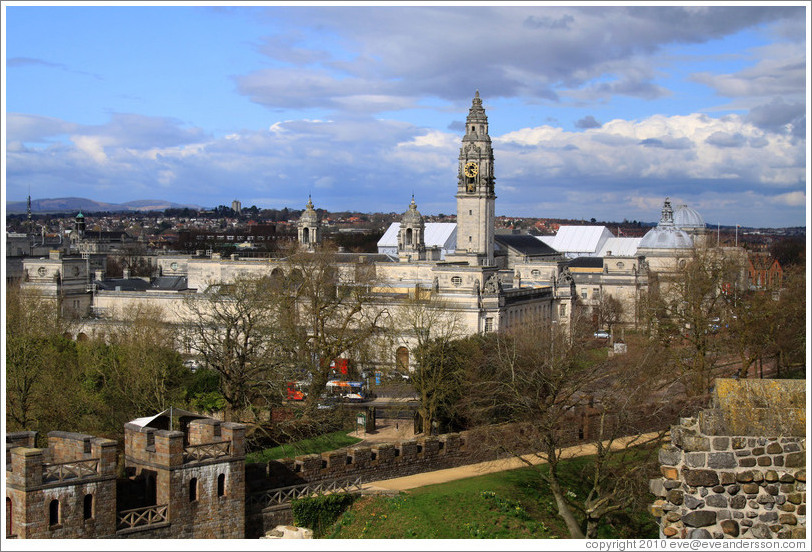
x: 738, y: 469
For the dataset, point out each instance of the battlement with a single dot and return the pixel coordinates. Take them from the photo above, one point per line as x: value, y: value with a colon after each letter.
x: 205, y: 439
x: 71, y: 458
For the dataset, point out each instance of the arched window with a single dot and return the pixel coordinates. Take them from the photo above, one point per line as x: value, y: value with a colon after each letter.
x: 88, y: 506
x: 305, y: 235
x: 402, y: 356
x: 53, y: 512
x: 409, y: 236
x: 221, y: 484
x: 193, y: 489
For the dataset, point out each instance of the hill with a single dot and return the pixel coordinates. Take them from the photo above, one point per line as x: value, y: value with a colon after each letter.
x: 70, y: 204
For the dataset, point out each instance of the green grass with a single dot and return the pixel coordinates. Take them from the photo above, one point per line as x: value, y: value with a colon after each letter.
x: 510, y: 504
x: 315, y: 445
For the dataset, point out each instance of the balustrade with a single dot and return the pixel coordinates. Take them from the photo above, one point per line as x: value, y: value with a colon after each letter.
x: 79, y: 469
x: 283, y: 495
x: 196, y: 453
x: 141, y: 517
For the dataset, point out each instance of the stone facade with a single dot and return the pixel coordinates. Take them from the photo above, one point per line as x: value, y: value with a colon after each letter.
x: 178, y: 484
x: 738, y: 469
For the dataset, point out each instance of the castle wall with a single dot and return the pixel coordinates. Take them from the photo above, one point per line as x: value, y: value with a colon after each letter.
x: 738, y: 469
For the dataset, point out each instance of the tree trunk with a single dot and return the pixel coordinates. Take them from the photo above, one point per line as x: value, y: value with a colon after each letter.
x: 564, y: 509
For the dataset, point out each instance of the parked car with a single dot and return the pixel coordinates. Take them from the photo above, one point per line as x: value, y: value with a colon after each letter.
x: 601, y: 334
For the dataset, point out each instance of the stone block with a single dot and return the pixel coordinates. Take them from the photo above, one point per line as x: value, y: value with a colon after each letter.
x: 723, y: 514
x: 791, y: 447
x: 699, y: 518
x: 794, y: 460
x: 802, y: 510
x: 700, y: 534
x: 675, y: 497
x: 726, y: 478
x: 798, y: 532
x: 700, y: 478
x: 738, y: 442
x: 764, y: 461
x: 670, y: 531
x: 721, y: 460
x: 786, y: 478
x: 656, y: 508
x: 669, y: 472
x: 758, y: 476
x: 721, y: 443
x: 673, y: 516
x: 787, y: 507
x: 718, y: 489
x: 778, y: 460
x: 692, y: 502
x: 695, y: 459
x: 747, y: 462
x: 795, y: 498
x: 771, y: 476
x: 733, y: 489
x: 787, y: 519
x: 800, y: 475
x: 671, y: 484
x: 758, y: 451
x: 765, y: 499
x: 771, y: 489
x: 750, y: 488
x: 760, y: 531
x: 716, y: 501
x: 730, y: 527
x: 656, y: 487
x: 670, y: 455
x: 768, y: 517
x: 774, y: 448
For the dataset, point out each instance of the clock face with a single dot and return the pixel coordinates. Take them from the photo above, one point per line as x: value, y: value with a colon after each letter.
x: 41, y: 271
x: 471, y: 169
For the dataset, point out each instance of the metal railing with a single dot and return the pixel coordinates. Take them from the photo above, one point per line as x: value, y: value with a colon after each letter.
x: 141, y: 517
x: 196, y: 453
x: 70, y: 470
x: 283, y: 495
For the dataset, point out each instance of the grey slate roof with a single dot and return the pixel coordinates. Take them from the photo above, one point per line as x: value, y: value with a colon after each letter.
x: 525, y: 244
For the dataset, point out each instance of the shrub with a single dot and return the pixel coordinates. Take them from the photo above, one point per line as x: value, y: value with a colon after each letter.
x: 320, y: 512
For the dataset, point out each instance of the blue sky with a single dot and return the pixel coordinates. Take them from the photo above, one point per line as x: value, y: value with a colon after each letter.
x: 595, y: 111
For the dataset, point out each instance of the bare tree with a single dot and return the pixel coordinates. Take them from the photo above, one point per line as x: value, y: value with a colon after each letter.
x: 532, y: 395
x: 234, y: 328
x: 609, y: 311
x: 332, y: 314
x: 687, y: 307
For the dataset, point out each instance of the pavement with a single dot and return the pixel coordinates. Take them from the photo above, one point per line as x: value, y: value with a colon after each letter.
x: 482, y: 468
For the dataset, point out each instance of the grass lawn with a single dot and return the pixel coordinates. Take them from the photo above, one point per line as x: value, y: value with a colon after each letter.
x: 316, y: 445
x: 510, y: 504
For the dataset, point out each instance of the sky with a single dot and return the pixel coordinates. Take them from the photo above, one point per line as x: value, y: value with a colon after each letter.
x: 595, y: 111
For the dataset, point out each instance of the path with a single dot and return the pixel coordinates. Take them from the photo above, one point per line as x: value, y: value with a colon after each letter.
x: 482, y: 468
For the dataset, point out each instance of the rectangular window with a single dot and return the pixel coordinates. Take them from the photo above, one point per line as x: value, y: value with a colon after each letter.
x: 489, y: 324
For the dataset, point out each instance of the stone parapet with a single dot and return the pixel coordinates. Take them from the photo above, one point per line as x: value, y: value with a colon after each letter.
x: 735, y: 486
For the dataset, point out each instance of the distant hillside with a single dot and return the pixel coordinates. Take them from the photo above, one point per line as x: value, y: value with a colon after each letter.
x: 70, y: 204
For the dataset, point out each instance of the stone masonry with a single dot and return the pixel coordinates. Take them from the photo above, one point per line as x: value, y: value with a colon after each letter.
x: 738, y: 469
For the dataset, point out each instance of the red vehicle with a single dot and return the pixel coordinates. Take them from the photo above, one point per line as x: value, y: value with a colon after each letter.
x: 296, y: 391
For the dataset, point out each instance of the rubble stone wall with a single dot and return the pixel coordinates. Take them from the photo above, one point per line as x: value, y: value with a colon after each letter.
x: 734, y: 486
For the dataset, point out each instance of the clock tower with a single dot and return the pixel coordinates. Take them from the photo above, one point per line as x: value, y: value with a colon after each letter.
x: 476, y: 200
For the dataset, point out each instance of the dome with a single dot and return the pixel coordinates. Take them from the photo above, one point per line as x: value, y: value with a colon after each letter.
x: 412, y: 217
x: 666, y: 238
x: 666, y: 235
x: 309, y: 217
x: 685, y: 217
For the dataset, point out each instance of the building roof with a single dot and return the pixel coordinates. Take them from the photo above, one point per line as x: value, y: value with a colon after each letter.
x: 525, y: 244
x: 170, y: 283
x: 686, y: 217
x: 666, y: 235
x: 436, y: 234
x: 578, y: 240
x: 586, y: 262
x: 620, y: 247
x: 122, y: 284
